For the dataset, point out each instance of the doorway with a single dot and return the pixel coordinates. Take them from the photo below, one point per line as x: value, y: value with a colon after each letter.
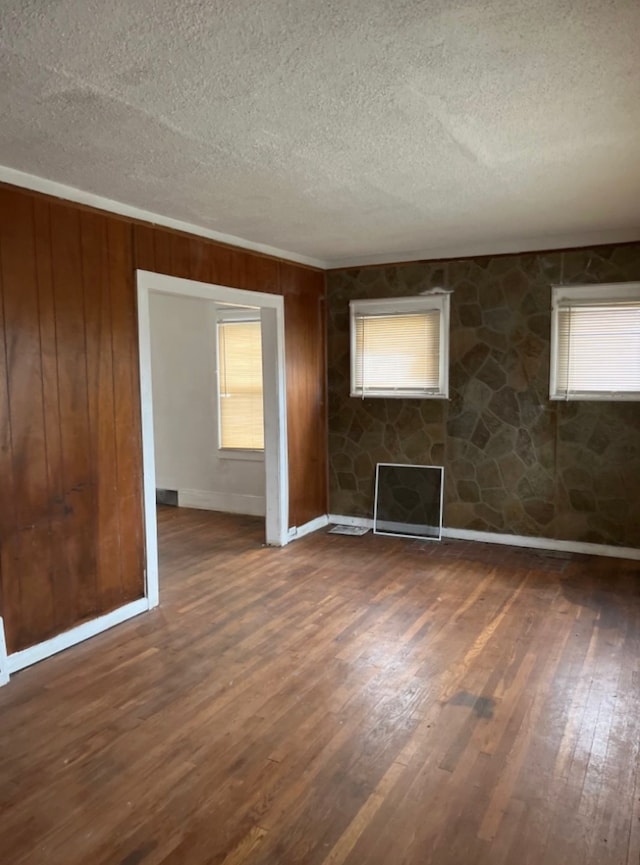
x: 271, y: 311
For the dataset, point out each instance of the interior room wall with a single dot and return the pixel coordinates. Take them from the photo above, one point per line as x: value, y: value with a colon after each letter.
x: 160, y: 250
x: 71, y: 521
x: 515, y: 462
x: 183, y: 348
x: 71, y: 540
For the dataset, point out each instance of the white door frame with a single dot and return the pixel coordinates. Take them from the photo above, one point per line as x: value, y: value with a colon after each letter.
x: 275, y: 415
x: 4, y: 661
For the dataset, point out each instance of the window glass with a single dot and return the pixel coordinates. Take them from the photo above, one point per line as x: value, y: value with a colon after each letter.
x: 240, y: 385
x: 596, y: 342
x: 399, y: 347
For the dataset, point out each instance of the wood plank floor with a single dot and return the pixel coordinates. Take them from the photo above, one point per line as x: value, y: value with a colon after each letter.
x: 342, y: 700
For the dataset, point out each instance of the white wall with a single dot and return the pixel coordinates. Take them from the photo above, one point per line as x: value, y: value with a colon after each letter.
x: 183, y: 355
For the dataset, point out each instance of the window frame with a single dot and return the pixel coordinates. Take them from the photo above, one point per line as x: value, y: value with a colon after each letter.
x: 225, y: 315
x: 602, y: 294
x: 440, y: 301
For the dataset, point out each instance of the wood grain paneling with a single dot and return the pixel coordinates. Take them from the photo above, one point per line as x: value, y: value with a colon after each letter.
x: 101, y: 404
x: 78, y: 600
x: 162, y: 251
x: 70, y: 503
x: 306, y: 393
x: 127, y: 420
x: 71, y: 516
x: 26, y: 545
x: 143, y: 247
x: 199, y: 263
x: 57, y: 509
x: 221, y: 266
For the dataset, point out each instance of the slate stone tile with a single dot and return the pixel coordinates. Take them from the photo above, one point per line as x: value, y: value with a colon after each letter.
x: 567, y: 470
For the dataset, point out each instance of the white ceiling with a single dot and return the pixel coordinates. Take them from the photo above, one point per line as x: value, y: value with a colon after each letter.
x: 338, y: 131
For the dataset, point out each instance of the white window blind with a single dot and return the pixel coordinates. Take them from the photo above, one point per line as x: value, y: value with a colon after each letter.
x: 597, y: 346
x: 240, y: 385
x: 399, y: 349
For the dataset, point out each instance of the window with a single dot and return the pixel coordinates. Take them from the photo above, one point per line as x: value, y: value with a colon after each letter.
x: 400, y: 347
x: 240, y: 411
x: 595, y: 342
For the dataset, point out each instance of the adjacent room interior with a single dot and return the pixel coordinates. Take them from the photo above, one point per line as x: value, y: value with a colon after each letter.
x: 271, y: 269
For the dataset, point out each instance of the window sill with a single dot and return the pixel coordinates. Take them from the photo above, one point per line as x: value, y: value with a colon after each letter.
x: 395, y: 394
x: 240, y: 454
x: 595, y: 397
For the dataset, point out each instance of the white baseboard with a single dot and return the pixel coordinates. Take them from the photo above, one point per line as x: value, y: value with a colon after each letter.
x: 544, y: 544
x: 26, y: 657
x: 312, y: 526
x: 514, y: 540
x: 4, y: 661
x: 230, y: 503
x: 340, y: 519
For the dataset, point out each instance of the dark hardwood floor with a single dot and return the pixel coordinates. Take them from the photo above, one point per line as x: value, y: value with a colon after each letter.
x: 342, y: 700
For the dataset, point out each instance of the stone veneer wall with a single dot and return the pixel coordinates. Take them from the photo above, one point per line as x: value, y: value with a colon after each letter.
x: 515, y: 462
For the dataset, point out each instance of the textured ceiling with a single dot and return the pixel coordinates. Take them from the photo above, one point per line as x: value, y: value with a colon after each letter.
x: 339, y: 130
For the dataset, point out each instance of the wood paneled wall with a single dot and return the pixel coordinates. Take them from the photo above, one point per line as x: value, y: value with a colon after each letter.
x: 71, y: 544
x: 71, y: 512
x: 163, y: 251
x: 306, y: 379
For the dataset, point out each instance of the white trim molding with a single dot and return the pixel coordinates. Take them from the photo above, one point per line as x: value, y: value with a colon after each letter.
x: 434, y: 308
x: 457, y: 250
x: 588, y: 549
x: 4, y: 661
x: 297, y: 532
x: 271, y: 306
x: 488, y: 247
x: 26, y: 657
x: 581, y: 311
x: 230, y: 503
x: 553, y: 544
x: 100, y: 202
x: 343, y: 520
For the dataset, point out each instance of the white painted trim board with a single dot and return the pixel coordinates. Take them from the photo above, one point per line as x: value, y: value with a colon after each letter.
x: 275, y: 416
x: 27, y: 657
x: 230, y: 503
x: 4, y: 661
x: 100, y: 202
x: 513, y: 246
x: 513, y: 540
x: 296, y: 532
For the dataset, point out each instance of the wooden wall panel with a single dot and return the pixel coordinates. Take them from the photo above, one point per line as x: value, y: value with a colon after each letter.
x: 6, y: 457
x: 162, y: 254
x: 143, y: 247
x: 199, y: 261
x: 162, y: 251
x: 77, y: 593
x: 101, y: 404
x: 221, y: 265
x: 71, y: 508
x: 263, y: 272
x: 70, y: 454
x: 25, y: 542
x: 306, y: 392
x: 128, y: 425
x: 57, y: 508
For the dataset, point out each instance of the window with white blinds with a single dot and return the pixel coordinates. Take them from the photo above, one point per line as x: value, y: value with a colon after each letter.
x: 399, y: 347
x: 240, y: 407
x: 596, y: 342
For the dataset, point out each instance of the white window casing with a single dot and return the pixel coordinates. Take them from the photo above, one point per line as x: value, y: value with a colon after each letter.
x: 400, y: 347
x: 595, y: 342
